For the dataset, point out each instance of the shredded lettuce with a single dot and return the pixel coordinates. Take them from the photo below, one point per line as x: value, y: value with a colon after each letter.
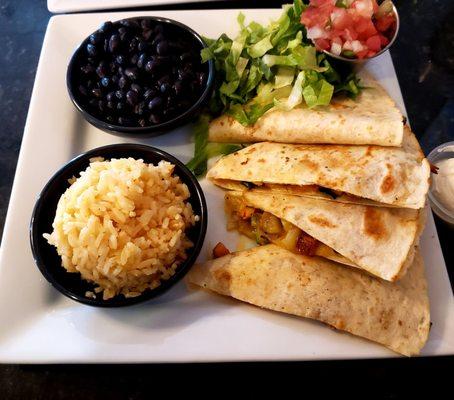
x: 203, y: 150
x: 267, y: 66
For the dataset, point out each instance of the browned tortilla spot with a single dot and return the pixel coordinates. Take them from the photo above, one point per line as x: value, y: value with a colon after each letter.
x: 373, y: 225
x: 321, y: 221
x: 388, y: 182
x: 223, y: 277
x: 245, y: 162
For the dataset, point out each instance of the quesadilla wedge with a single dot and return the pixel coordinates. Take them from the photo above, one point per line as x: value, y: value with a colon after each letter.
x: 376, y: 239
x: 385, y: 176
x: 372, y: 118
x: 395, y: 315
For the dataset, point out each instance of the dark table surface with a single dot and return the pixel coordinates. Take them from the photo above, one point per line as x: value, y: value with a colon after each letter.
x: 423, y: 57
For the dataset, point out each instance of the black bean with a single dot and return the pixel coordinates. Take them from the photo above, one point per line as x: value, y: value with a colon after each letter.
x: 112, y: 67
x: 154, y: 119
x: 142, y: 60
x: 152, y: 66
x: 114, y: 41
x: 142, y: 46
x: 184, y: 75
x: 132, y: 97
x: 123, y: 82
x: 110, y: 118
x: 82, y: 90
x: 115, y: 78
x: 132, y: 73
x: 158, y: 29
x: 101, y: 70
x: 87, y: 69
x: 120, y: 59
x: 93, y: 103
x: 96, y: 38
x: 147, y: 34
x: 155, y: 104
x: 110, y: 96
x: 142, y: 122
x: 200, y: 76
x: 186, y: 57
x: 119, y: 94
x: 136, y: 88
x: 105, y: 81
x: 139, y: 109
x: 165, y: 87
x: 106, y: 27
x: 133, y: 60
x: 178, y: 88
x: 132, y: 45
x: 145, y: 23
x: 150, y: 93
x: 162, y: 48
x: 159, y: 37
x: 96, y: 92
x: 92, y: 50
x: 121, y: 106
x: 111, y: 105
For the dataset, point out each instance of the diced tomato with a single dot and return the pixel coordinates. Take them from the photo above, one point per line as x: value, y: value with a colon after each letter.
x: 374, y: 43
x: 341, y: 19
x: 351, y: 29
x: 365, y: 28
x: 322, y: 44
x: 384, y: 23
x: 384, y: 40
x: 362, y: 54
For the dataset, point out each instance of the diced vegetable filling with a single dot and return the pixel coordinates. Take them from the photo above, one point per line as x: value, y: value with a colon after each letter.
x: 264, y: 228
x: 351, y: 28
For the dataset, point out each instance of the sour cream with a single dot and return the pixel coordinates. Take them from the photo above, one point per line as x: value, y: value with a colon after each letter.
x: 443, y: 184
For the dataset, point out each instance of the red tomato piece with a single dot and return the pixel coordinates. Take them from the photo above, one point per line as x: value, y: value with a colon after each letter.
x: 384, y: 40
x: 365, y: 28
x: 362, y: 54
x: 322, y: 44
x: 374, y: 43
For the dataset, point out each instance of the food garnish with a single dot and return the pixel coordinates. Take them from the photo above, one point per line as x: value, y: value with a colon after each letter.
x: 350, y: 28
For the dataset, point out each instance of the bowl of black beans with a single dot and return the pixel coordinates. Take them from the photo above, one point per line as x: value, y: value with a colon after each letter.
x: 140, y: 76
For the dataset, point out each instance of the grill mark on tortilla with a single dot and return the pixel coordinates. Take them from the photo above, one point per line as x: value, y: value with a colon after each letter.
x: 373, y: 225
x: 321, y: 221
x: 388, y: 182
x: 245, y: 162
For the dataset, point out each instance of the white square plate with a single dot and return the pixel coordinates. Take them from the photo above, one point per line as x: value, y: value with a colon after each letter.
x: 64, y: 6
x: 38, y: 325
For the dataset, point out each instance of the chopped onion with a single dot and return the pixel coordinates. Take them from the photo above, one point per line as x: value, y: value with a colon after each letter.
x: 316, y: 32
x: 357, y: 46
x: 336, y: 48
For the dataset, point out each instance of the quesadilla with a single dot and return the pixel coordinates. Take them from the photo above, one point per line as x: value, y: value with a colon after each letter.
x: 393, y: 314
x: 378, y: 240
x: 372, y: 118
x: 385, y: 176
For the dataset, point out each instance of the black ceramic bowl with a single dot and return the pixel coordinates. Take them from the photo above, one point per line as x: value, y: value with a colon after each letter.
x: 45, y: 255
x: 152, y: 129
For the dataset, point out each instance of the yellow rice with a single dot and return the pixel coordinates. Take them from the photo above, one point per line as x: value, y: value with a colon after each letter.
x: 122, y: 225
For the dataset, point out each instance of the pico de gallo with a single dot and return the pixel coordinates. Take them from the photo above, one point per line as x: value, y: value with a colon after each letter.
x: 350, y: 28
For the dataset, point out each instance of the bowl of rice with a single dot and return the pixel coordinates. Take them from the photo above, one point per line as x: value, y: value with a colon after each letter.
x: 118, y: 225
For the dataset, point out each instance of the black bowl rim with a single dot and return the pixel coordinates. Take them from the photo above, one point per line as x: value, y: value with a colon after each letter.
x: 132, y: 130
x: 121, y: 301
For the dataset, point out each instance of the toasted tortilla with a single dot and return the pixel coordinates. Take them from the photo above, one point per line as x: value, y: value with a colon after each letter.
x: 393, y: 314
x: 372, y: 118
x: 386, y: 176
x: 376, y: 239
